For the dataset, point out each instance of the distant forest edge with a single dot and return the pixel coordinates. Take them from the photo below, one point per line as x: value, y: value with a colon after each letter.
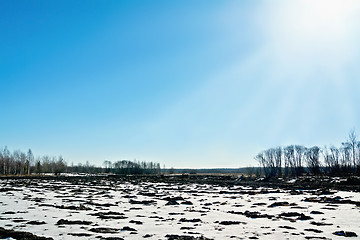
x: 297, y: 160
x: 279, y: 162
x: 20, y: 163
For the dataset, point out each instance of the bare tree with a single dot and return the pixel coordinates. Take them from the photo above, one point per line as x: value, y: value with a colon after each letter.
x: 16, y: 156
x: 158, y: 168
x: 289, y: 160
x: 266, y: 159
x: 299, y: 154
x: 345, y: 158
x: 352, y: 142
x: 46, y: 164
x: 59, y: 165
x: 313, y: 159
x: 6, y: 160
x: 23, y: 161
x: 29, y: 160
x: 260, y: 158
x: 108, y: 165
x: 270, y: 159
x: 38, y: 167
x: 277, y: 152
x: 331, y: 160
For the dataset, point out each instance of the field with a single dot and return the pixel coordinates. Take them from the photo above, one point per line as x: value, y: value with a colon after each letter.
x: 176, y: 207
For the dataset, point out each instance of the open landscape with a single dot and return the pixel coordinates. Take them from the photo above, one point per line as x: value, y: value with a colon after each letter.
x: 182, y: 207
x: 179, y: 120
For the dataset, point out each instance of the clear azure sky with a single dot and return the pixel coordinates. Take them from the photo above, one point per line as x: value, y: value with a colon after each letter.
x: 193, y: 84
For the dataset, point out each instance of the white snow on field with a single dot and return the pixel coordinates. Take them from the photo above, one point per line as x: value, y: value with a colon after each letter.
x: 200, y: 210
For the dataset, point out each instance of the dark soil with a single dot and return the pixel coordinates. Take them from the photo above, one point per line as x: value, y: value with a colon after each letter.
x: 185, y: 237
x: 231, y: 223
x: 322, y: 184
x: 345, y: 234
x: 250, y: 214
x: 70, y: 222
x: 104, y: 230
x: 4, y: 233
x: 80, y: 234
x: 195, y: 220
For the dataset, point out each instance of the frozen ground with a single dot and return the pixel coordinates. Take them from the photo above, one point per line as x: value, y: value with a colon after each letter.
x: 109, y: 209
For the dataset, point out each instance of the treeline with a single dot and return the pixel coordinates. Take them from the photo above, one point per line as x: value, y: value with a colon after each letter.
x: 21, y: 163
x: 132, y: 167
x: 118, y: 167
x: 205, y: 171
x: 296, y: 160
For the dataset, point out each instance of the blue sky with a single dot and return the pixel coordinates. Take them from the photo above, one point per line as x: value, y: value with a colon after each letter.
x: 183, y: 83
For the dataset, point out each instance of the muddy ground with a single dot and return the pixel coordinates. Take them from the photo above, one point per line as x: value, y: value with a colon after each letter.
x: 178, y: 207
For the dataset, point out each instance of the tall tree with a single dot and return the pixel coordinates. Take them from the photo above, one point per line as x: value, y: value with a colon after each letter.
x: 345, y: 158
x: 352, y: 142
x: 107, y: 164
x: 313, y: 159
x: 6, y: 160
x: 299, y: 153
x: 289, y: 159
x: 277, y: 152
x: 260, y: 158
x: 29, y: 160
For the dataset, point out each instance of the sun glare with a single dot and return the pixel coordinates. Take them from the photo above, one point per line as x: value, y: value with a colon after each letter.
x: 308, y: 33
x: 323, y: 19
x: 314, y: 21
